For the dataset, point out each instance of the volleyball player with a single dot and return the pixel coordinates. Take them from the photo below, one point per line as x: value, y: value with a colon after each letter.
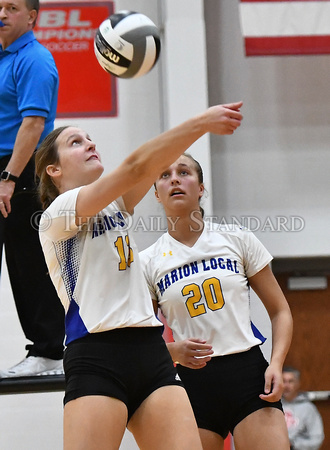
x: 199, y: 275
x: 118, y: 370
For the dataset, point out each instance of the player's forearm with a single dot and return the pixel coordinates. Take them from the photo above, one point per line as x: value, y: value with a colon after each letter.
x: 156, y: 155
x: 281, y: 336
x: 144, y: 165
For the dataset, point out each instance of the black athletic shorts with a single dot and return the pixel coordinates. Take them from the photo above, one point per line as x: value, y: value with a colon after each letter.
x: 126, y: 363
x: 227, y: 390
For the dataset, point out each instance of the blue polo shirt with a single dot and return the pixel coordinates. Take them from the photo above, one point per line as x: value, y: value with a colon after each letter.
x: 28, y: 87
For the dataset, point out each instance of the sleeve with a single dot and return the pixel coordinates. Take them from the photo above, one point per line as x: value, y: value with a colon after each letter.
x: 39, y: 70
x: 148, y: 272
x: 121, y: 204
x: 255, y: 255
x: 58, y: 222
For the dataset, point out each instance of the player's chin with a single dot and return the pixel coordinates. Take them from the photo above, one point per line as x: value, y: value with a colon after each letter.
x: 99, y: 168
x: 94, y: 173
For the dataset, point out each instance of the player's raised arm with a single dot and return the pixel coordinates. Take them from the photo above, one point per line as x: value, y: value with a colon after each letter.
x: 140, y: 169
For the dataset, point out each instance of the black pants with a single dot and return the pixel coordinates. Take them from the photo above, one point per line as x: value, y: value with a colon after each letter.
x: 39, y: 309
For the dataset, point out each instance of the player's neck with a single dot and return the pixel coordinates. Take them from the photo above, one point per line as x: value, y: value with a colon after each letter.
x: 186, y: 229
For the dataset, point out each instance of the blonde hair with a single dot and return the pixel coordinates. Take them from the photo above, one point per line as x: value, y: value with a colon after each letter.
x: 47, y: 154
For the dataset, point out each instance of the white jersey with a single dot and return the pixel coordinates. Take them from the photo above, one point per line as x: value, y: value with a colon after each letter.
x: 95, y: 268
x: 203, y: 291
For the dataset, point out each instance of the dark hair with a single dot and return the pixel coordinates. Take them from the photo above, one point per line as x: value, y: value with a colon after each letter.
x: 290, y: 369
x: 33, y: 4
x: 47, y: 154
x: 198, y: 167
x: 200, y: 174
x: 199, y: 171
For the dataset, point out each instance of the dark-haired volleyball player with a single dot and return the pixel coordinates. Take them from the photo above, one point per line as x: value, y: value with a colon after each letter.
x: 200, y: 274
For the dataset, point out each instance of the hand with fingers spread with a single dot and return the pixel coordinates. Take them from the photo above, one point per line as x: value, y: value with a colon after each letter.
x: 192, y: 353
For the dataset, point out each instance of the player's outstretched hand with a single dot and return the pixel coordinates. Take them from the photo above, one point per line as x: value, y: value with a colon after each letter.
x: 192, y: 353
x: 223, y: 119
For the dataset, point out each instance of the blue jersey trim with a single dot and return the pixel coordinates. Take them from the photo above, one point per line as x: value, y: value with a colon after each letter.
x: 75, y: 327
x: 257, y: 333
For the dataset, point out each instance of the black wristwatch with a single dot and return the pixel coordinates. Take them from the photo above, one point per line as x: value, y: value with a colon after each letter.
x: 6, y: 176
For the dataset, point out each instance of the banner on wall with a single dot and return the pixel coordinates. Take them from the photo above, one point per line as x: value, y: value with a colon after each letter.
x: 67, y: 29
x: 285, y: 27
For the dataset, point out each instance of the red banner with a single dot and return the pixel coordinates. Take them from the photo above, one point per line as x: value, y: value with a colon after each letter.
x: 67, y: 29
x: 285, y: 27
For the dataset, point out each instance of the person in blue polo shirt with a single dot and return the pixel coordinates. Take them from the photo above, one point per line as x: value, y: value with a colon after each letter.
x: 28, y: 101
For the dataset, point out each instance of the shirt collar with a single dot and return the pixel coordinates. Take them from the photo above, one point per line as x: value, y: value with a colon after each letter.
x: 20, y: 42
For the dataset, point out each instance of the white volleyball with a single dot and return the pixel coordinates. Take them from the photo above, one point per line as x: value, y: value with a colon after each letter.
x: 127, y: 44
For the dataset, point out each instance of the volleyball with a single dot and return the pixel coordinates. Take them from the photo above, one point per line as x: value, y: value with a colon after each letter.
x: 127, y: 44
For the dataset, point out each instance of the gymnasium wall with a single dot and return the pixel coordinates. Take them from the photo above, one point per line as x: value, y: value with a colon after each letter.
x: 274, y: 170
x: 271, y: 175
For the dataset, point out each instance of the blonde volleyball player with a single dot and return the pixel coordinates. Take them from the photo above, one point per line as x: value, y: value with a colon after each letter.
x: 118, y: 370
x: 199, y: 275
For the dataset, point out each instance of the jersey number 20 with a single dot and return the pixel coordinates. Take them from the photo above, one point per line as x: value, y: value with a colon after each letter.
x: 211, y: 289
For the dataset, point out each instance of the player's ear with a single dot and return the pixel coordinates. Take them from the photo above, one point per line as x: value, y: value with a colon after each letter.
x: 157, y: 196
x: 201, y: 190
x: 53, y: 171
